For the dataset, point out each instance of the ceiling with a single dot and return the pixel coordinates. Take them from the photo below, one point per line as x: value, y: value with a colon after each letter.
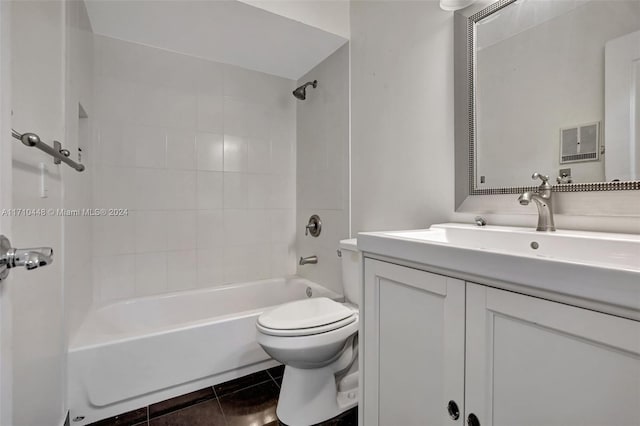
x: 227, y: 31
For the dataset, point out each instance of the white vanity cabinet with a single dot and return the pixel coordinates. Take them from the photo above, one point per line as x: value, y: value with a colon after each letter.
x: 507, y: 358
x: 413, y: 346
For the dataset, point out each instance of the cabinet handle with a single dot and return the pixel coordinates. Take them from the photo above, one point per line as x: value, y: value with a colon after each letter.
x: 472, y: 420
x: 452, y: 409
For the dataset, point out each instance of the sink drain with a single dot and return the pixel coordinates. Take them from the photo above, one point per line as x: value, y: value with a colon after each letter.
x: 534, y: 245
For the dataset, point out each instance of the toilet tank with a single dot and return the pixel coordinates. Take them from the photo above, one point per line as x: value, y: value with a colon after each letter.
x: 351, y: 270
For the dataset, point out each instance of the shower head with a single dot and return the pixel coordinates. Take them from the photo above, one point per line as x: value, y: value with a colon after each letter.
x: 301, y: 92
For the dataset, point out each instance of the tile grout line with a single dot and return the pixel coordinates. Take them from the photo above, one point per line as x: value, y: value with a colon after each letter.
x: 224, y: 417
x: 273, y: 379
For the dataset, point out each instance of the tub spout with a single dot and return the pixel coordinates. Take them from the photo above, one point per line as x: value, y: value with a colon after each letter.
x: 308, y: 260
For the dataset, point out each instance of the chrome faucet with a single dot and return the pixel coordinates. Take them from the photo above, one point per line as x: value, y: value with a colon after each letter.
x: 308, y: 260
x: 29, y: 258
x: 542, y: 199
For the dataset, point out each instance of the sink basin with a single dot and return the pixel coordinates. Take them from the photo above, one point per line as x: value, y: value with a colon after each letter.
x: 594, y: 266
x: 593, y: 248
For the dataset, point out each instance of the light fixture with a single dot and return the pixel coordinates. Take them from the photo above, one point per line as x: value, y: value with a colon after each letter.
x: 451, y: 5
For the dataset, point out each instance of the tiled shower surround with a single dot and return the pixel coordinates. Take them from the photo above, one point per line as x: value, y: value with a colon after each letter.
x: 203, y: 156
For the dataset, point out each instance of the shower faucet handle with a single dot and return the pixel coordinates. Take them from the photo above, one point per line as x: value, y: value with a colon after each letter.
x: 314, y: 227
x: 30, y: 258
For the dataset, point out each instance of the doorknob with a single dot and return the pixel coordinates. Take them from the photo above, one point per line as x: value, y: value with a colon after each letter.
x: 472, y: 420
x: 30, y: 258
x: 453, y: 410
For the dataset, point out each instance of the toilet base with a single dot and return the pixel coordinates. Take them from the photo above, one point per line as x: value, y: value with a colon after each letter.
x: 310, y: 396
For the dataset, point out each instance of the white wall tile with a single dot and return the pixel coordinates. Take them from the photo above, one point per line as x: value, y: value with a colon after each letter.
x: 259, y: 155
x: 210, y: 267
x: 149, y: 145
x: 186, y: 145
x: 209, y: 190
x: 322, y: 169
x: 282, y: 194
x: 283, y: 260
x: 236, y: 264
x: 210, y: 113
x: 210, y: 229
x: 151, y: 189
x: 114, y: 278
x: 150, y: 106
x: 181, y: 189
x: 114, y: 187
x: 258, y: 226
x: 283, y: 226
x: 115, y: 99
x: 181, y: 149
x: 283, y: 157
x: 182, y: 270
x: 151, y: 273
x: 236, y: 155
x: 113, y: 235
x: 181, y: 109
x: 235, y: 117
x: 257, y: 120
x: 181, y: 229
x: 111, y: 147
x: 209, y: 151
x: 235, y: 190
x: 151, y: 231
x: 235, y: 229
x: 259, y: 190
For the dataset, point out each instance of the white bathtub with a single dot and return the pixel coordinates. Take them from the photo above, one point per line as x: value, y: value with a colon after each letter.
x: 136, y: 352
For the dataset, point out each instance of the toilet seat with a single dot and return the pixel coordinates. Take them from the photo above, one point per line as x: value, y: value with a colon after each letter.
x: 306, y: 317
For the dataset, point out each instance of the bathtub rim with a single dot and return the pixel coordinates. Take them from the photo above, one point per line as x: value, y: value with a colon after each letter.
x: 76, y: 342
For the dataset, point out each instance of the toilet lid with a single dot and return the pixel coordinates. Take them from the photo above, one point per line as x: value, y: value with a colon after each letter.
x: 306, y: 313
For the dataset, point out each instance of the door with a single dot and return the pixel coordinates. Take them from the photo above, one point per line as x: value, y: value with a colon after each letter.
x: 413, y: 340
x: 5, y: 220
x: 533, y: 362
x: 32, y: 71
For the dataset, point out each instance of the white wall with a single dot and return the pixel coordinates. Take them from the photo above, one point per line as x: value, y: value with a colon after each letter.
x: 522, y: 107
x: 402, y: 125
x: 323, y: 167
x: 39, y: 350
x: 203, y: 157
x: 402, y: 114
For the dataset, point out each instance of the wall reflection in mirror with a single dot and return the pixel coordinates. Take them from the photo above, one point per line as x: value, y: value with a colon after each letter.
x: 557, y: 90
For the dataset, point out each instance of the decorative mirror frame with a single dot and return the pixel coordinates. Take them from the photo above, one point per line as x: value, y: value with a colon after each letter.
x: 465, y: 22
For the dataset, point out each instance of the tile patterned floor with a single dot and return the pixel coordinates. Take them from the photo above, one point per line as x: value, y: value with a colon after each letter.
x: 246, y: 401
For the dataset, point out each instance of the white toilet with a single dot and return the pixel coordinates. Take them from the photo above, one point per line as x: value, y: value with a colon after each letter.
x: 317, y: 341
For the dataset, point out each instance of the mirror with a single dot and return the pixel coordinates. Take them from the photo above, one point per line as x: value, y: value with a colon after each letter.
x: 553, y: 87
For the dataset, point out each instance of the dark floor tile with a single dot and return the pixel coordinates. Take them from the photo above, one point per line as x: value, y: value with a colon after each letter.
x: 130, y: 418
x: 276, y: 371
x: 241, y: 383
x: 255, y: 405
x: 348, y: 418
x: 179, y: 402
x: 276, y: 374
x: 206, y: 413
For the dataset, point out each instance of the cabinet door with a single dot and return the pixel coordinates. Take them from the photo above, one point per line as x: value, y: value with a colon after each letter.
x: 532, y: 362
x: 413, y: 341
